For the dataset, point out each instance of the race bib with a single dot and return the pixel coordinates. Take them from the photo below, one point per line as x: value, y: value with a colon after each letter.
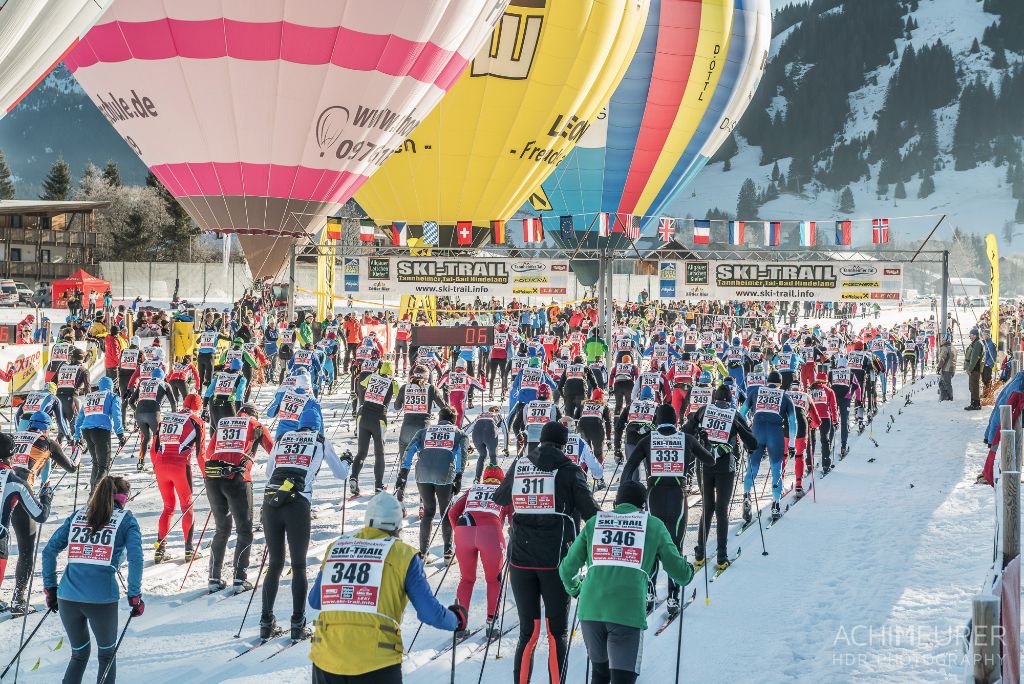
x: 668, y: 455
x: 538, y: 412
x: 303, y: 357
x: 415, y: 399
x: 147, y: 367
x: 799, y: 399
x: 148, y: 389
x: 755, y: 379
x: 699, y: 396
x: 172, y: 427
x: 439, y: 437
x: 572, y: 449
x: 531, y: 378
x: 208, y: 340
x: 619, y: 539
x: 287, y: 336
x: 21, y: 453
x: 231, y: 435
x: 129, y: 359
x: 533, y: 489
x: 94, y: 402
x: 592, y: 409
x: 576, y: 371
x: 769, y: 400
x: 180, y: 368
x: 819, y: 396
x: 93, y: 548
x: 61, y: 352
x: 33, y: 403
x: 352, y: 574
x: 717, y: 423
x: 641, y: 412
x: 291, y: 406
x: 377, y: 387
x: 295, y: 450
x: 841, y: 376
x: 224, y: 385
x: 67, y: 375
x: 480, y: 499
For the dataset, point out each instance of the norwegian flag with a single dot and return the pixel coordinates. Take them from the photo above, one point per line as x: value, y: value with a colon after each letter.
x: 880, y: 231
x: 604, y: 228
x: 772, y: 233
x: 667, y: 229
x: 737, y: 232
x: 464, y: 232
x: 366, y: 231
x: 808, y: 233
x: 631, y: 226
x: 844, y: 232
x: 702, y: 232
x: 533, y: 230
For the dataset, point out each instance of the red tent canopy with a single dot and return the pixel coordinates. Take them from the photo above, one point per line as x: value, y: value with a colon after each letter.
x: 80, y: 281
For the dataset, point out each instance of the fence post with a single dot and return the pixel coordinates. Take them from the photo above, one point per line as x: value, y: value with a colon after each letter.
x: 987, y: 665
x: 1011, y: 494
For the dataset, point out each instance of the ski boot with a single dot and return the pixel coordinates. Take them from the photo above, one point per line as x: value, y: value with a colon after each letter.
x: 19, y: 607
x: 191, y: 554
x: 808, y: 463
x: 160, y: 555
x: 268, y: 627
x: 141, y: 465
x: 492, y: 628
x: 672, y: 604
x: 377, y: 489
x: 722, y: 565
x: 240, y: 585
x: 461, y: 634
x: 798, y: 488
x: 599, y: 485
x: 299, y: 631
x: 843, y: 453
x: 650, y: 602
x: 776, y: 511
x: 449, y: 555
x: 747, y: 512
x: 216, y: 584
x: 353, y: 487
x: 698, y: 564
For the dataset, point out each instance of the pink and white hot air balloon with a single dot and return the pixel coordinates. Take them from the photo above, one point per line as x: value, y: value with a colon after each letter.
x: 264, y: 116
x: 34, y: 36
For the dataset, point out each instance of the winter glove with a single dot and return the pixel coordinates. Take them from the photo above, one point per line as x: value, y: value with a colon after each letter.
x: 457, y: 484
x: 792, y: 452
x: 403, y: 475
x: 205, y: 414
x: 46, y: 496
x: 460, y: 614
x: 504, y: 452
x: 618, y: 456
x: 51, y: 597
x: 574, y: 587
x: 137, y: 604
x: 400, y: 493
x: 121, y: 440
x: 347, y: 457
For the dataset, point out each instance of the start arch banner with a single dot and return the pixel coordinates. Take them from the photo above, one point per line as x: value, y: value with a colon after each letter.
x: 455, y: 276
x: 828, y: 281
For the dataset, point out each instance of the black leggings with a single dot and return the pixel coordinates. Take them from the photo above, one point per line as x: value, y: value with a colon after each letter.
x: 487, y: 450
x: 179, y: 389
x: 231, y: 503
x: 623, y: 394
x: 205, y: 365
x: 147, y: 422
x: 530, y: 588
x: 593, y: 433
x: 497, y: 367
x: 78, y: 619
x: 716, y: 489
x: 97, y: 440
x: 371, y: 427
x: 123, y: 377
x: 386, y: 675
x: 26, y: 530
x: 434, y: 497
x: 292, y: 520
x: 668, y: 503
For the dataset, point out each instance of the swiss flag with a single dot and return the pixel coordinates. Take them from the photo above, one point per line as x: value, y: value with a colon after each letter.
x: 464, y: 232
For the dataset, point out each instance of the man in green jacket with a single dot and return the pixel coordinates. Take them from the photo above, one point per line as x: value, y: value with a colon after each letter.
x: 595, y: 348
x: 621, y: 549
x: 973, y: 358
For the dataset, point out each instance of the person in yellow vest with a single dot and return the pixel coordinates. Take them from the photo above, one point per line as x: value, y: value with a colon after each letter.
x: 361, y: 591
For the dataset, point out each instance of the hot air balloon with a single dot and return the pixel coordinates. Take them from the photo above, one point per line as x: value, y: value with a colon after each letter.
x: 264, y: 116
x: 694, y: 73
x: 527, y: 98
x: 34, y: 36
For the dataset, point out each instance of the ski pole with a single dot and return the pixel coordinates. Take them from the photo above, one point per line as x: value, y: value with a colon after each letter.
x: 502, y: 588
x: 78, y: 473
x: 195, y: 551
x: 113, y: 656
x: 455, y: 643
x: 188, y: 508
x: 28, y: 593
x: 151, y: 483
x: 757, y: 503
x: 679, y: 644
x: 266, y: 550
x: 25, y: 644
x: 344, y: 505
x: 443, y: 575
x: 568, y: 647
x: 610, y: 483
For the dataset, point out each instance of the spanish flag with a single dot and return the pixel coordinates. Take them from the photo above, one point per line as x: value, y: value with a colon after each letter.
x: 497, y: 232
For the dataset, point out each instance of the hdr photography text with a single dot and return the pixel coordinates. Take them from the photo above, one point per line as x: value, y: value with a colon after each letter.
x: 886, y: 645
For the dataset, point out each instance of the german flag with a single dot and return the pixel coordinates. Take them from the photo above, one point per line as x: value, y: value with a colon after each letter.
x: 497, y: 232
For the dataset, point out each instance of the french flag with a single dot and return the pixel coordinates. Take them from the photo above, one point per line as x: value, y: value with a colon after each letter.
x: 737, y: 232
x: 702, y: 232
x: 844, y: 232
x: 772, y: 233
x: 880, y: 231
x: 808, y: 233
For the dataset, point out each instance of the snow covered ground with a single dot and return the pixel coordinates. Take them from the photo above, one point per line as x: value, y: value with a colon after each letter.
x: 870, y: 582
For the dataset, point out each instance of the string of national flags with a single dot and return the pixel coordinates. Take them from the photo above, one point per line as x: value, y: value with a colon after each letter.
x: 606, y: 224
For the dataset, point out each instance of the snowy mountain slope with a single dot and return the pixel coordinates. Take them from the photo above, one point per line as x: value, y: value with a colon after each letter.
x: 976, y: 200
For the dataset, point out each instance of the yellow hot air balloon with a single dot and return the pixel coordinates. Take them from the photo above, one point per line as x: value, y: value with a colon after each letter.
x: 518, y: 110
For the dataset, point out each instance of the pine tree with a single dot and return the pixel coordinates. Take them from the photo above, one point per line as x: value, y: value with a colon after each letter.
x: 57, y: 184
x: 746, y: 201
x: 975, y: 48
x: 1017, y: 184
x: 927, y: 187
x: 883, y: 186
x: 781, y: 182
x: 775, y: 172
x: 901, y: 191
x: 1019, y: 215
x: 176, y: 236
x: 999, y: 59
x: 111, y: 174
x: 846, y: 203
x: 7, y: 190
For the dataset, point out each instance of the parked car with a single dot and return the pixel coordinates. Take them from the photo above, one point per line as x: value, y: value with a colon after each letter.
x: 8, y: 293
x: 24, y: 293
x: 42, y: 296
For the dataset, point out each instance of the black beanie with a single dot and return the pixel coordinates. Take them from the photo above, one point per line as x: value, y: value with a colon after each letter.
x: 555, y: 433
x: 631, y: 492
x: 774, y: 378
x: 665, y: 414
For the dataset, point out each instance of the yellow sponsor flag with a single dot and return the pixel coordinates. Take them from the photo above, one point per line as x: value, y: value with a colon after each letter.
x: 992, y: 249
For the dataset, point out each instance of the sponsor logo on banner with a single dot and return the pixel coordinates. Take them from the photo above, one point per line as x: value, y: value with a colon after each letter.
x: 526, y: 267
x: 696, y: 273
x: 862, y: 283
x: 856, y: 295
x: 448, y: 277
x: 853, y: 271
x: 885, y: 295
x: 892, y: 271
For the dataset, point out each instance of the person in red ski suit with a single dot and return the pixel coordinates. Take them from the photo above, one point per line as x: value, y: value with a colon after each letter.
x: 180, y: 435
x: 458, y: 382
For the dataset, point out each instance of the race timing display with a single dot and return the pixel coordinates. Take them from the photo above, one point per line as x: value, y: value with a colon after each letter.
x: 448, y: 336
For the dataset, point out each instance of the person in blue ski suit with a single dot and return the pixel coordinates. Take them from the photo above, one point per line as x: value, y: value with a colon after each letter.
x: 44, y: 400
x: 767, y: 426
x: 299, y: 401
x: 524, y: 395
x: 735, y: 359
x: 94, y: 427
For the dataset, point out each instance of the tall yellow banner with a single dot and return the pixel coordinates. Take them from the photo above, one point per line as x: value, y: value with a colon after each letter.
x: 325, y: 262
x: 992, y: 249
